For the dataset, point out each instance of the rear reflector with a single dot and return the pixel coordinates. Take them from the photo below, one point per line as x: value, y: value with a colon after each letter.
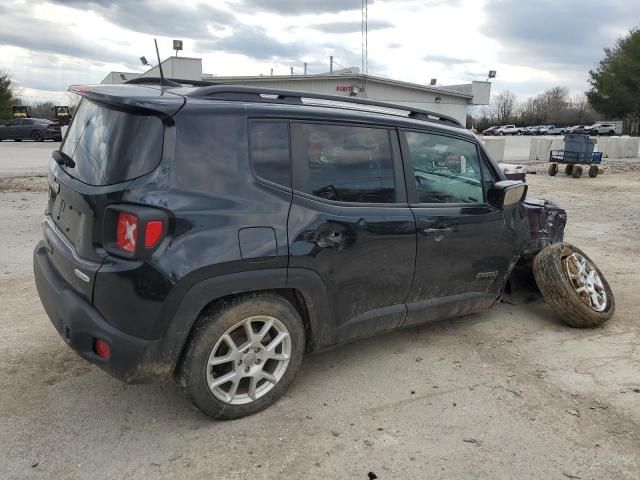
x: 127, y: 232
x: 102, y: 349
x: 152, y: 233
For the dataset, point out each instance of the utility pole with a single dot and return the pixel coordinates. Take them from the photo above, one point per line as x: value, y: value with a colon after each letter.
x: 305, y: 68
x: 291, y: 70
x: 365, y: 42
x: 331, y: 64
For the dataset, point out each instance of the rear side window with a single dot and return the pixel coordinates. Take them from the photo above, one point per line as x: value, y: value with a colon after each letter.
x: 346, y: 163
x: 110, y: 146
x: 269, y: 148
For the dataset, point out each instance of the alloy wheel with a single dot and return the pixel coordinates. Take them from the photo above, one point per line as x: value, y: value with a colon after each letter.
x: 249, y: 360
x: 586, y: 282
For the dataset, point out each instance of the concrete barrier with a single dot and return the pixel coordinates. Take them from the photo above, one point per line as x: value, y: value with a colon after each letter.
x: 618, y: 147
x: 542, y: 146
x: 495, y: 147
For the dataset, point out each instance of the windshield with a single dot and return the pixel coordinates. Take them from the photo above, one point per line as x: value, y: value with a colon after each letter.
x: 110, y: 146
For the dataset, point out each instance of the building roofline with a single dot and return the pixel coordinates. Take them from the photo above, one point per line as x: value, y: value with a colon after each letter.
x: 347, y: 76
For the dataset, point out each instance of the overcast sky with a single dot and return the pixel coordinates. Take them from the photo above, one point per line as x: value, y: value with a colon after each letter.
x: 533, y: 44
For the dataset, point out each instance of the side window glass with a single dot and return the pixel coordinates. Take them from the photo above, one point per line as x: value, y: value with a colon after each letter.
x: 487, y: 174
x: 269, y: 151
x: 348, y: 163
x: 446, y: 170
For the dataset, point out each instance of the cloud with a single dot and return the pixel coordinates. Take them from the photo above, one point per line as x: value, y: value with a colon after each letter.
x: 445, y: 60
x: 156, y: 18
x: 300, y: 7
x: 349, y: 27
x: 253, y: 42
x: 50, y: 37
x: 558, y: 33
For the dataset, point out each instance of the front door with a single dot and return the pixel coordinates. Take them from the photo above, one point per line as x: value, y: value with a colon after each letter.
x: 350, y: 223
x: 465, y: 246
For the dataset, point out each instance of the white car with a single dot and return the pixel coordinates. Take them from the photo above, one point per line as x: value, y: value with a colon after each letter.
x: 551, y: 130
x: 509, y: 130
x: 601, y: 129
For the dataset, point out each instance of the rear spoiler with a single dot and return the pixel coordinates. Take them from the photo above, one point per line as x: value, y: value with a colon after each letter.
x: 138, y: 99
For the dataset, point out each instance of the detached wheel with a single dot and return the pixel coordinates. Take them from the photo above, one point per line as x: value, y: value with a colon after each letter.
x: 568, y: 170
x: 593, y: 171
x: 573, y: 286
x: 36, y: 136
x: 577, y: 171
x: 553, y: 169
x: 243, y: 356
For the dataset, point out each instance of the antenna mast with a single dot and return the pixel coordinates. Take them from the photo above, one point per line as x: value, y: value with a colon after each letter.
x: 162, y: 82
x: 365, y: 54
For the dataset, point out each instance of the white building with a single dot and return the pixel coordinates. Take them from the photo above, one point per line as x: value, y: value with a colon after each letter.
x: 450, y: 100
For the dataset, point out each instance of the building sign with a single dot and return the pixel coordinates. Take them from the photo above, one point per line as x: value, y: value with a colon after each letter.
x: 352, y: 89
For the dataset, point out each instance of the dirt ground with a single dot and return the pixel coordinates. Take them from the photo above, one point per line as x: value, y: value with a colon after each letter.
x: 511, y: 393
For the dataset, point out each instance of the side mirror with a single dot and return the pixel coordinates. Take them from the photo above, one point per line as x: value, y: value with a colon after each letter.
x: 507, y: 192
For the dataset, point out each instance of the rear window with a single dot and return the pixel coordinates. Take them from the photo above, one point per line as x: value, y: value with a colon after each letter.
x: 110, y: 146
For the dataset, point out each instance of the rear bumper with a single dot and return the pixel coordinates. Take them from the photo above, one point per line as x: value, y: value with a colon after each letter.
x: 79, y: 325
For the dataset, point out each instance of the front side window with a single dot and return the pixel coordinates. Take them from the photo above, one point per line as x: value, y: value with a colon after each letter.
x: 347, y: 163
x: 269, y: 146
x: 445, y: 169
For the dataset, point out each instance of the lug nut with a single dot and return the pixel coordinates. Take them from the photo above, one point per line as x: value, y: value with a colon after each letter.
x: 258, y: 361
x: 246, y: 370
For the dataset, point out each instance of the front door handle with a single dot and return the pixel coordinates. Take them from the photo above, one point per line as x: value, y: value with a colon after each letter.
x: 438, y: 231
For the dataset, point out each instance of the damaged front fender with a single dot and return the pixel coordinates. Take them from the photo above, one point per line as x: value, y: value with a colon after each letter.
x: 543, y: 225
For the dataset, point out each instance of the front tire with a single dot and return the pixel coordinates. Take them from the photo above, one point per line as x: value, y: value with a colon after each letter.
x: 243, y: 356
x: 36, y: 136
x: 572, y: 284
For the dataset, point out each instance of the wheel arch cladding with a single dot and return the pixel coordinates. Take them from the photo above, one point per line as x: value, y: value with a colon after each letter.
x: 214, y: 292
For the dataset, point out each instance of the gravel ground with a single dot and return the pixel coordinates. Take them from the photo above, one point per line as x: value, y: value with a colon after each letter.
x: 510, y: 393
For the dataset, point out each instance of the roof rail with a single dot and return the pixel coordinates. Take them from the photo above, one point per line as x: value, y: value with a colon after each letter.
x: 170, y: 82
x: 271, y: 95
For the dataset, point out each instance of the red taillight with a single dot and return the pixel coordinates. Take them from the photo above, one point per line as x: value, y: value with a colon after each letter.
x: 127, y: 232
x: 102, y: 349
x: 152, y: 233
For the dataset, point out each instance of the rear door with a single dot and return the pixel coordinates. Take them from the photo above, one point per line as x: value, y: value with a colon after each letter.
x: 465, y: 246
x: 350, y: 223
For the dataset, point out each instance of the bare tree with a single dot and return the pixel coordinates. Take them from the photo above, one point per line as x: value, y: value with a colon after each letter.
x: 504, y: 107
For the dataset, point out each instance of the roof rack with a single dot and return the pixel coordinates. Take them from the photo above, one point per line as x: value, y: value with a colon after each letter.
x: 270, y: 95
x: 170, y: 82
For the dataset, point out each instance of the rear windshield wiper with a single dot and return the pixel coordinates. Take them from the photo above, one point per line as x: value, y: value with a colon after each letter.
x: 63, y: 159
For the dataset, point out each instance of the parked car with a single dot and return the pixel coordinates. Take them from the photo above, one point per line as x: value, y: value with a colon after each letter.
x: 530, y: 130
x: 490, y: 130
x: 35, y: 129
x: 551, y: 130
x: 509, y: 130
x: 601, y: 129
x: 575, y: 129
x: 252, y: 228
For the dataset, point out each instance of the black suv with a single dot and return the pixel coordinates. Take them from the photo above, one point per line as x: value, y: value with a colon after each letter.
x: 213, y: 234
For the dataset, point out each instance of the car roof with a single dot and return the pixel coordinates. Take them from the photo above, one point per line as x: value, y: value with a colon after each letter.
x: 169, y: 100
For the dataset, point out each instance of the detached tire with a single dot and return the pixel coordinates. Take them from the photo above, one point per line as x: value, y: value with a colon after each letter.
x: 568, y: 170
x: 243, y: 355
x: 573, y: 285
x: 553, y: 169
